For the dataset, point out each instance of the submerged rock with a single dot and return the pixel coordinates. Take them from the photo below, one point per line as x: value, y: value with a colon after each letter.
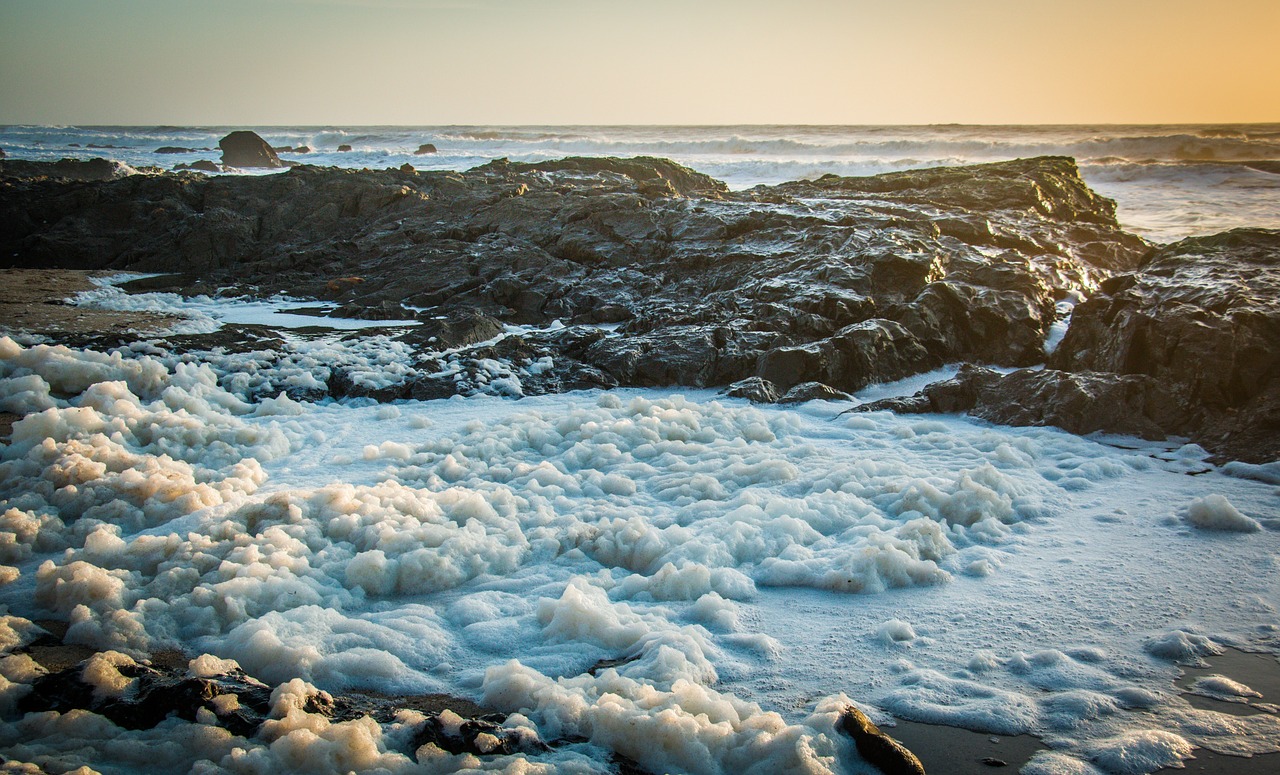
x: 246, y: 149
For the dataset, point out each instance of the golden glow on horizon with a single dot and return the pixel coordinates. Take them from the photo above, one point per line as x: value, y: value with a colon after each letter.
x: 626, y: 62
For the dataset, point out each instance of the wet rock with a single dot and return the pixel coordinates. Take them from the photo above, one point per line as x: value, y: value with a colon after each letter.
x: 478, y: 736
x: 843, y: 281
x: 755, y: 389
x: 344, y: 148
x: 813, y: 391
x: 424, y: 149
x: 152, y: 695
x: 2, y: 153
x: 246, y: 149
x: 878, y: 749
x: 1200, y: 318
x: 1081, y: 403
x: 174, y: 149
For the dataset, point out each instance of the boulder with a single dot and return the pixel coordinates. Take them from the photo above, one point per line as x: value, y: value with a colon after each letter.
x: 755, y: 389
x: 344, y: 148
x: 813, y: 391
x: 246, y: 149
x: 425, y: 148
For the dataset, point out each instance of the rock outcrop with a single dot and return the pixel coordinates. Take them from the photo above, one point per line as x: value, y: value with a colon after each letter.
x: 1189, y: 345
x: 840, y: 281
x: 246, y: 149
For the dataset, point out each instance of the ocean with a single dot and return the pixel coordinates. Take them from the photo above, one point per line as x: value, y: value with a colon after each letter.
x: 693, y: 581
x: 1170, y: 181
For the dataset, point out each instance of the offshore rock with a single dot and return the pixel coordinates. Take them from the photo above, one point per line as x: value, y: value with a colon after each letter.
x: 424, y: 149
x: 246, y: 149
x: 843, y: 281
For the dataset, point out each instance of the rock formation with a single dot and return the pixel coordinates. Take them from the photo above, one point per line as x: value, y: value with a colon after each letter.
x: 425, y: 148
x: 839, y: 281
x: 1189, y: 344
x: 246, y: 149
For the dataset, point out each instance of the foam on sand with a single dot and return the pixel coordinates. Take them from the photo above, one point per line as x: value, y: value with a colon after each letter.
x: 688, y: 581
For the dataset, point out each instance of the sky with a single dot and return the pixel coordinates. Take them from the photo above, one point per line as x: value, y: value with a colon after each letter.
x: 425, y: 62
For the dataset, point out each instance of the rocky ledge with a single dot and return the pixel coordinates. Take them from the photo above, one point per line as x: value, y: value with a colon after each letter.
x: 663, y: 277
x: 844, y: 281
x: 1189, y: 344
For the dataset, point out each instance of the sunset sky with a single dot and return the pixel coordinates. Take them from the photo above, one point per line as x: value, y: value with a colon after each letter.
x: 266, y: 62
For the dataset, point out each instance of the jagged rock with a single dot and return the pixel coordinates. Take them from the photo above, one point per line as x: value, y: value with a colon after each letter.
x: 876, y: 748
x: 246, y: 149
x: 813, y: 391
x: 843, y: 281
x: 425, y: 148
x: 755, y: 389
x: 1201, y: 318
x: 344, y: 148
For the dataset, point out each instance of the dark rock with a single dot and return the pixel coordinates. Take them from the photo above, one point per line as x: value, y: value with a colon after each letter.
x: 174, y: 149
x: 992, y: 761
x: 467, y: 738
x: 1200, y: 318
x: 1081, y: 403
x: 302, y: 149
x: 344, y: 148
x: 282, y: 148
x: 844, y: 281
x: 461, y: 330
x: 408, y: 169
x: 202, y: 165
x: 813, y: 391
x: 66, y: 169
x: 425, y: 148
x: 755, y: 389
x: 2, y: 154
x: 854, y: 357
x: 876, y: 748
x: 246, y: 149
x: 157, y: 694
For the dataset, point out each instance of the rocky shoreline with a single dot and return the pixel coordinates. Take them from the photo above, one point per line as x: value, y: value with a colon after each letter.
x: 663, y: 277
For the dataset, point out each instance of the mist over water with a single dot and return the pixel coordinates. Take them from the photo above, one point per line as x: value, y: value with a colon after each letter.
x: 1170, y: 181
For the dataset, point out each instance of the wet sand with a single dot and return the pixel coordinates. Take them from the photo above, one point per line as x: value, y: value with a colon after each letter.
x: 954, y: 751
x: 33, y: 301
